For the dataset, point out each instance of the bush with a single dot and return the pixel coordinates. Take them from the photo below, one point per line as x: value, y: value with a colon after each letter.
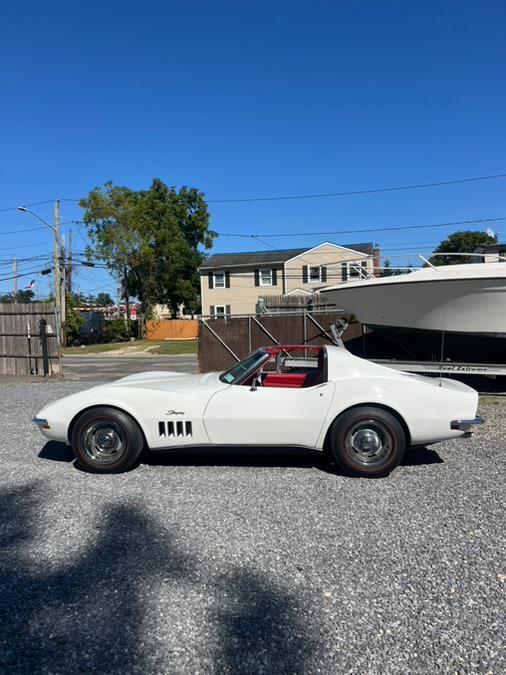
x: 116, y: 330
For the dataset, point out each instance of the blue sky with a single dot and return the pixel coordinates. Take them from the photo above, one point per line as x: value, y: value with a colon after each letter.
x: 254, y: 99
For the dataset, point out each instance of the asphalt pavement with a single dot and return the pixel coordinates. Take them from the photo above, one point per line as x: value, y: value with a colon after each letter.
x: 92, y: 367
x: 249, y: 562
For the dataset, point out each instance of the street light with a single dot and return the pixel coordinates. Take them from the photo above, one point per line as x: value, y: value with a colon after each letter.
x: 23, y: 209
x: 57, y: 261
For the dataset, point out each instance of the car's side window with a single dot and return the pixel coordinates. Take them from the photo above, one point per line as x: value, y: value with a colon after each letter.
x: 296, y: 371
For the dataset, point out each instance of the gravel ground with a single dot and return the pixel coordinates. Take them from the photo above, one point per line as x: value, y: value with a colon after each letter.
x: 261, y: 563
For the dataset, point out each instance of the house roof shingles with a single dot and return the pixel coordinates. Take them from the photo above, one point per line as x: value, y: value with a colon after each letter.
x: 220, y: 260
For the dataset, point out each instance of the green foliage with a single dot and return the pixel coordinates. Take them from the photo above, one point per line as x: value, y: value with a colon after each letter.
x: 103, y: 300
x: 387, y: 270
x: 116, y: 330
x: 73, y: 318
x: 152, y: 239
x: 25, y: 296
x: 464, y: 241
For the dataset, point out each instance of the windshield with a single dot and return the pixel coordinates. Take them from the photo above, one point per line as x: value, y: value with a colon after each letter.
x: 244, y: 368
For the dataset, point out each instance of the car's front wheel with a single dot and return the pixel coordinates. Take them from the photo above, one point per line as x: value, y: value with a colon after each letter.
x: 367, y: 441
x: 106, y: 440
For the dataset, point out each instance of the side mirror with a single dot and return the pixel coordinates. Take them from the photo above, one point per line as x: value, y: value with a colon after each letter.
x: 254, y: 383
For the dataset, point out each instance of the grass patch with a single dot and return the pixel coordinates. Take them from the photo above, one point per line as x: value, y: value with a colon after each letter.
x: 173, y: 346
x: 95, y: 349
x: 148, y: 346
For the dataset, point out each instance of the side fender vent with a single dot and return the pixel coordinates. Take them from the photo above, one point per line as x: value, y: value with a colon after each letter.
x: 175, y: 429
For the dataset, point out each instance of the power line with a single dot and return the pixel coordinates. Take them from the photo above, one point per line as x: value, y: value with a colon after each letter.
x: 395, y: 188
x: 32, y: 229
x: 14, y: 208
x: 360, y: 192
x: 20, y: 276
x: 370, y: 229
x: 31, y: 245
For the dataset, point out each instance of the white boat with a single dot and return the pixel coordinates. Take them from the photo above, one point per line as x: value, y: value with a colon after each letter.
x: 462, y: 299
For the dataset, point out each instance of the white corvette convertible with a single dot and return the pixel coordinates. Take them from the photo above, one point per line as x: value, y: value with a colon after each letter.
x: 365, y: 415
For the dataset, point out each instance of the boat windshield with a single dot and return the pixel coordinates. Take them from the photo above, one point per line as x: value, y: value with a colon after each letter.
x: 245, y: 368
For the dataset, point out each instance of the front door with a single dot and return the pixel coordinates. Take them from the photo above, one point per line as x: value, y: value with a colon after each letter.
x: 268, y: 415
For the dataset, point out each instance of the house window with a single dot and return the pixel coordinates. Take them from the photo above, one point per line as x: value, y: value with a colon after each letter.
x: 266, y: 277
x: 357, y: 270
x: 315, y: 275
x: 217, y: 311
x: 219, y: 279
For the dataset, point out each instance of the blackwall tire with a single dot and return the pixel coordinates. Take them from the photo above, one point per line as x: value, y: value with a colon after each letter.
x: 367, y: 441
x: 106, y: 440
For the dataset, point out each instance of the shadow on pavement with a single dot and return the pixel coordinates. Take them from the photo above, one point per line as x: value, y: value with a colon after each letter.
x: 56, y: 452
x: 421, y: 455
x: 99, y: 610
x: 242, y: 456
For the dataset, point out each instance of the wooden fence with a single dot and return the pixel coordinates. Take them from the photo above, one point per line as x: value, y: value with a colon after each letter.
x: 225, y: 340
x: 279, y: 303
x: 28, y: 339
x: 172, y: 329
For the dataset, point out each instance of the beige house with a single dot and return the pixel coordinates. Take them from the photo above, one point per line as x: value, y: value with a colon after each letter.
x: 232, y: 283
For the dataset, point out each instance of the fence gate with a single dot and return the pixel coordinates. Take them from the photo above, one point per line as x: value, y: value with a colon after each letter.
x: 29, y: 342
x: 223, y: 341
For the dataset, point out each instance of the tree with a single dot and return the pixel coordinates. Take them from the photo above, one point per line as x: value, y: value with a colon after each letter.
x: 388, y: 270
x: 73, y: 318
x: 464, y: 241
x: 25, y: 296
x: 152, y: 240
x: 104, y: 300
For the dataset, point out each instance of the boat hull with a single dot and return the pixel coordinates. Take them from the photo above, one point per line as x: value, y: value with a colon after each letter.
x: 388, y: 342
x: 455, y: 305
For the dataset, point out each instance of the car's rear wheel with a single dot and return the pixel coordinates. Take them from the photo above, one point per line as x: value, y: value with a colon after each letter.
x: 106, y: 440
x: 367, y: 441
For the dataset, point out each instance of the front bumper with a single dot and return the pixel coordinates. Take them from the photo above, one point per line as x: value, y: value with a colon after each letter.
x: 466, y: 425
x: 41, y: 423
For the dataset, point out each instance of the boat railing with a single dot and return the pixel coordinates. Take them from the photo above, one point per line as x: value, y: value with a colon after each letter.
x: 499, y: 258
x: 370, y: 272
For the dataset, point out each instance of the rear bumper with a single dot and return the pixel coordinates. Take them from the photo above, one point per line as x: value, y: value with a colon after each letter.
x: 466, y: 425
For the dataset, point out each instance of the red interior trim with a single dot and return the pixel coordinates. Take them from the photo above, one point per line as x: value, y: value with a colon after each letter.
x: 293, y: 380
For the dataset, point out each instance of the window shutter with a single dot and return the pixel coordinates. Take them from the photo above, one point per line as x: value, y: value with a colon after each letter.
x: 257, y: 277
x: 227, y: 310
x: 211, y: 310
x: 324, y: 274
x: 344, y: 272
x: 210, y: 278
x: 304, y: 274
x: 227, y: 279
x: 274, y: 277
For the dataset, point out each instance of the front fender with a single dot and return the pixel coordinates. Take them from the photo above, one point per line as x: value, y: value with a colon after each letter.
x: 148, y: 407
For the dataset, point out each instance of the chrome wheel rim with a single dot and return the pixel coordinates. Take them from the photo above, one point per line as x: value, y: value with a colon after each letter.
x: 104, y: 442
x: 369, y: 442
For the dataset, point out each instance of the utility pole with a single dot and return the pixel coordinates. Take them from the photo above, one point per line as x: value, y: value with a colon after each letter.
x: 57, y: 263
x: 15, y: 275
x: 127, y: 299
x: 69, y: 265
x: 63, y: 295
x: 57, y: 258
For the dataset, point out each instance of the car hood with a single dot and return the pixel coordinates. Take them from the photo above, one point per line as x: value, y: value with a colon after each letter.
x: 168, y: 381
